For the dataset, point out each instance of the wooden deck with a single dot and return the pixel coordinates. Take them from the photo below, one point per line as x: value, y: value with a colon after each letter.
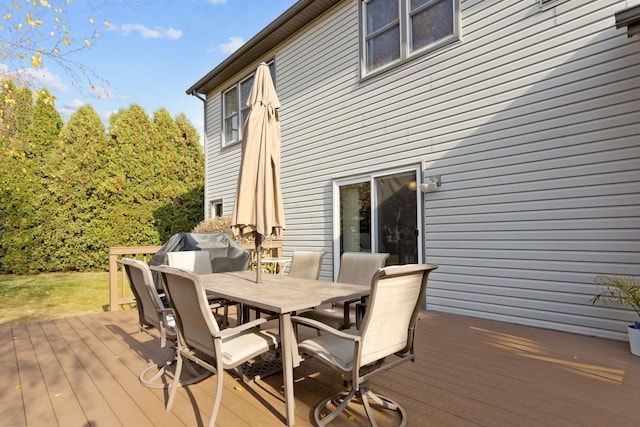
x: 83, y: 371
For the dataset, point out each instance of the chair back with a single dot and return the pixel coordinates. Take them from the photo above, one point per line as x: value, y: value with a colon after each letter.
x: 197, y: 261
x: 359, y: 267
x: 148, y: 301
x: 194, y: 320
x: 396, y: 296
x: 306, y: 264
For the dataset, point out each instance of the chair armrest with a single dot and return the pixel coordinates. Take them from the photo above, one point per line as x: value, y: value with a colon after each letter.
x: 361, y: 307
x: 347, y: 311
x: 243, y: 327
x: 325, y: 328
x: 164, y: 311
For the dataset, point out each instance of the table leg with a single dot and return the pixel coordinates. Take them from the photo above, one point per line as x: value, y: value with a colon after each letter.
x: 288, y: 344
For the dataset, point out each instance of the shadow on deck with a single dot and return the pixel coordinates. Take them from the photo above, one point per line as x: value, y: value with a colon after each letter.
x: 82, y: 371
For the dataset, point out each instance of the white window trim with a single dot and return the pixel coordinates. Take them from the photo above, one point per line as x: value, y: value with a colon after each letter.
x: 237, y: 85
x: 338, y: 182
x: 405, y: 38
x: 212, y: 205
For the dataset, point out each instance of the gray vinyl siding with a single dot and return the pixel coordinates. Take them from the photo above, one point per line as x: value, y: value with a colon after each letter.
x: 531, y: 119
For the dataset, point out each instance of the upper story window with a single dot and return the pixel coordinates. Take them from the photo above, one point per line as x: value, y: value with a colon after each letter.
x: 395, y: 30
x: 234, y: 106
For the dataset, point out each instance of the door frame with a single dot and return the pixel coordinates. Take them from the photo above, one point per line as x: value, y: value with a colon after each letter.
x: 370, y: 177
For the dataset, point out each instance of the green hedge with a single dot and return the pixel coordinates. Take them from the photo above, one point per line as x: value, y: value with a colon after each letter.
x: 68, y: 197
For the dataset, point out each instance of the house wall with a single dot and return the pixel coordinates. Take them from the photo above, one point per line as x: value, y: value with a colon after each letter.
x: 532, y: 122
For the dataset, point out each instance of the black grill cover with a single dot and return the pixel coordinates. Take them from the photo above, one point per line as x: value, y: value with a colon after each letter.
x: 226, y: 254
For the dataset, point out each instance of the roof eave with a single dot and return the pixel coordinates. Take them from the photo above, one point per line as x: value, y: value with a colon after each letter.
x: 291, y: 21
x: 629, y: 18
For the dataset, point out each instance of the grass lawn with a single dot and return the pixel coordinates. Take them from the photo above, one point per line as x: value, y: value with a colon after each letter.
x: 52, y: 295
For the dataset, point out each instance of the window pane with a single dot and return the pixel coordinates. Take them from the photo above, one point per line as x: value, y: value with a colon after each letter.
x: 245, y: 91
x: 272, y: 71
x: 383, y: 49
x: 417, y: 3
x: 380, y: 13
x: 231, y: 115
x: 397, y: 224
x: 431, y: 24
x: 231, y: 128
x: 355, y: 217
x: 231, y: 102
x: 243, y: 114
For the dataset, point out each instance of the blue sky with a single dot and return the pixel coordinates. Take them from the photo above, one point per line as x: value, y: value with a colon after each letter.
x: 154, y: 50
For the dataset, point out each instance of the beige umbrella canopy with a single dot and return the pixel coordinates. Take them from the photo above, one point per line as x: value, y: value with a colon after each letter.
x: 258, y: 206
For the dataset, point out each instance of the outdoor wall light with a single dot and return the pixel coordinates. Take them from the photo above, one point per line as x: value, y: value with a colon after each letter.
x: 431, y: 185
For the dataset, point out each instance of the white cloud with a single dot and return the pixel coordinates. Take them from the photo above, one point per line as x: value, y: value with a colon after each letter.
x: 74, y: 104
x: 70, y: 107
x: 232, y: 46
x: 218, y: 1
x: 147, y: 33
x: 36, y: 78
x: 105, y: 114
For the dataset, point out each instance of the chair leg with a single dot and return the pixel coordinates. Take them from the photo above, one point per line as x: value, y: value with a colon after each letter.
x: 174, y: 384
x: 323, y: 421
x: 341, y: 401
x: 155, y: 380
x: 218, y: 396
x: 158, y: 378
x: 367, y: 410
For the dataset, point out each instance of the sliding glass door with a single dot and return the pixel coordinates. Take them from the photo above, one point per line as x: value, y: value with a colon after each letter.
x: 379, y: 213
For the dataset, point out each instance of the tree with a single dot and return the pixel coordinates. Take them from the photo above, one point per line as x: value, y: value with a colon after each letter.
x: 74, y: 213
x: 183, y: 177
x: 27, y: 136
x: 69, y: 193
x: 33, y: 33
x: 165, y: 169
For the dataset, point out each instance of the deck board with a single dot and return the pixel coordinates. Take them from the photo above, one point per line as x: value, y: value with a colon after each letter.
x: 11, y: 400
x: 67, y: 410
x: 72, y: 354
x: 469, y: 372
x: 134, y: 352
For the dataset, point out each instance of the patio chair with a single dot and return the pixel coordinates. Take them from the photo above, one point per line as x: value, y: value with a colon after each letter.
x: 200, y: 339
x: 154, y: 319
x: 384, y: 341
x: 199, y: 262
x: 357, y: 268
x: 306, y: 264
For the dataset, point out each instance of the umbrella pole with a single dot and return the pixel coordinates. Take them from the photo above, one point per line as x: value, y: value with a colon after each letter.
x: 258, y: 257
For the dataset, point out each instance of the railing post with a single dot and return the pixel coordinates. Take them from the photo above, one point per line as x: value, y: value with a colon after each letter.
x: 114, y: 293
x: 113, y: 281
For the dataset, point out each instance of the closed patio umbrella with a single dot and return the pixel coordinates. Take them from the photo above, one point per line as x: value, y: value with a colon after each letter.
x: 258, y: 206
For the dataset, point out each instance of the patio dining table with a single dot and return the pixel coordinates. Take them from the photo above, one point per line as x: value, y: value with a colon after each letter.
x: 282, y: 295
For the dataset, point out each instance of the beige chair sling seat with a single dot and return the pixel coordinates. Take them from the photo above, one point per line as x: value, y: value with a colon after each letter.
x: 199, y: 262
x: 201, y: 340
x: 384, y: 341
x: 306, y: 264
x: 357, y: 268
